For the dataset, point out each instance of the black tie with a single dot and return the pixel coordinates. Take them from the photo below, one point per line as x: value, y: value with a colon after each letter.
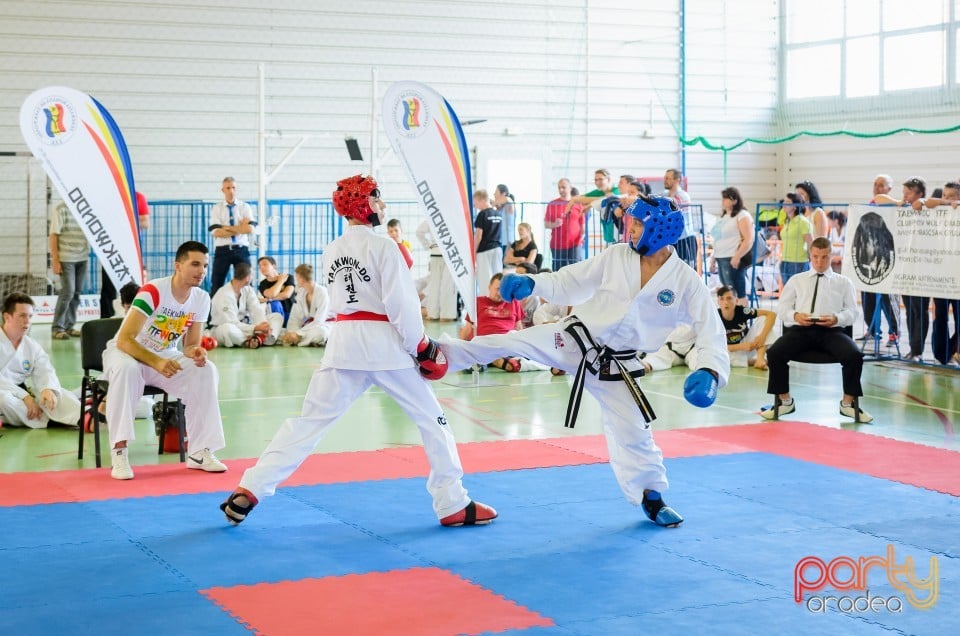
x: 233, y: 238
x: 816, y: 288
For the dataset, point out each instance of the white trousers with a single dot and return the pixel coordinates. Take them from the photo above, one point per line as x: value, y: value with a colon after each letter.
x: 234, y: 335
x: 330, y: 394
x: 195, y: 386
x: 13, y: 411
x: 636, y: 460
x: 746, y: 358
x: 315, y: 333
x: 488, y: 264
x: 441, y: 292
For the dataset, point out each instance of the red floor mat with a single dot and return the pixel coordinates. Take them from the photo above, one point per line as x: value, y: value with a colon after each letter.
x: 423, y: 601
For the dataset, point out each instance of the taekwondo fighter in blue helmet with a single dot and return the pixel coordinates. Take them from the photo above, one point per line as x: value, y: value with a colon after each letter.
x: 626, y: 301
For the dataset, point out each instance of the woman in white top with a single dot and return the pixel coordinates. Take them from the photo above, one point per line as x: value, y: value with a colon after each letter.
x: 733, y: 236
x: 308, y: 318
x: 809, y: 194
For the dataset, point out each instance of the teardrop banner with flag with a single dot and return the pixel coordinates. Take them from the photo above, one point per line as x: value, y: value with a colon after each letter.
x: 83, y: 152
x: 426, y: 135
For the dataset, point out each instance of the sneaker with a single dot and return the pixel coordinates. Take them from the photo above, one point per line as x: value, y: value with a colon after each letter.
x: 893, y: 340
x: 785, y: 409
x: 475, y: 514
x: 121, y: 464
x: 205, y: 460
x: 658, y: 511
x: 847, y: 411
x: 867, y: 337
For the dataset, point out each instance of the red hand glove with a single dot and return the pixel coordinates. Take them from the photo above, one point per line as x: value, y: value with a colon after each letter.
x: 433, y: 364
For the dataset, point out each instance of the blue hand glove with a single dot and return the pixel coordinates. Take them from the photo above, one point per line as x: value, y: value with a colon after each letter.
x: 700, y: 388
x: 608, y: 205
x: 515, y: 287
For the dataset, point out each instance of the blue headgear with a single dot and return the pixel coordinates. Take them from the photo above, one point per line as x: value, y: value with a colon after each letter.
x: 662, y: 223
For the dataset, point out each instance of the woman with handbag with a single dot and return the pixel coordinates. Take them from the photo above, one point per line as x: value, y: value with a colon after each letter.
x: 733, y: 236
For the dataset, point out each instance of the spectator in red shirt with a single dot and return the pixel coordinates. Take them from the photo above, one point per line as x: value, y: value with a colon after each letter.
x: 496, y: 316
x: 566, y: 236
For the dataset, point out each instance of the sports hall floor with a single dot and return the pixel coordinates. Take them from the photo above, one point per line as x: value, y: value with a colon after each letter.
x: 351, y: 545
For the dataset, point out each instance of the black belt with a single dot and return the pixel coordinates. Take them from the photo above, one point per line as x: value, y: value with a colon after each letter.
x: 231, y: 247
x: 597, y: 360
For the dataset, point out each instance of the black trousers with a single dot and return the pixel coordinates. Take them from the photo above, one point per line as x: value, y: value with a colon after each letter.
x: 108, y: 294
x: 944, y: 343
x: 224, y: 257
x: 918, y: 322
x: 797, y: 340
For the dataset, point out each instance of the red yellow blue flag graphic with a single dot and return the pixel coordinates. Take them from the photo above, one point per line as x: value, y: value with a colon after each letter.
x: 426, y: 135
x: 84, y: 154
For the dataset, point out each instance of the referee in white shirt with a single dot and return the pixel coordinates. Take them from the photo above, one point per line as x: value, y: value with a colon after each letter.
x: 815, y: 306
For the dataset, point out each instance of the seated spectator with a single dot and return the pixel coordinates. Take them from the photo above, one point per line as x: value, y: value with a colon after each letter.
x: 395, y: 231
x: 496, y: 316
x: 308, y: 324
x: 531, y: 302
x: 30, y: 392
x: 749, y: 330
x: 524, y: 249
x: 237, y: 317
x: 678, y: 349
x: 277, y: 289
x: 814, y: 307
x: 837, y: 236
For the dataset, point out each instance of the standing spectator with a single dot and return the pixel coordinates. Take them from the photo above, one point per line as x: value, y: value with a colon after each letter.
x: 566, y: 228
x: 378, y: 340
x: 811, y: 198
x: 524, y: 249
x: 308, y: 324
x: 440, y: 293
x: 145, y: 351
x: 237, y: 316
x: 943, y: 343
x: 277, y: 289
x: 837, y: 236
x: 889, y: 303
x: 508, y: 215
x: 108, y: 293
x: 686, y: 245
x: 486, y: 236
x: 605, y: 188
x: 733, y: 237
x: 231, y: 223
x: 23, y: 360
x: 795, y: 239
x: 917, y: 307
x: 395, y: 231
x: 69, y: 254
x: 814, y: 307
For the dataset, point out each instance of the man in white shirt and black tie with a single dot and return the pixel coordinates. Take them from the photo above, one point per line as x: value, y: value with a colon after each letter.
x: 815, y: 307
x: 231, y: 223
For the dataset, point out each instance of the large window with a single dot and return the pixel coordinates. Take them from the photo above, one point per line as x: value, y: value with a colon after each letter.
x: 868, y: 48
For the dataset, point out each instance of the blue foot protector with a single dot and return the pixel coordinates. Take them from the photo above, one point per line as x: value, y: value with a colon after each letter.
x: 659, y: 512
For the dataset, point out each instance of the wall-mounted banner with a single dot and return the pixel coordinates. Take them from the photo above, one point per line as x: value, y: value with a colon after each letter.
x: 891, y: 250
x: 426, y: 135
x: 83, y: 153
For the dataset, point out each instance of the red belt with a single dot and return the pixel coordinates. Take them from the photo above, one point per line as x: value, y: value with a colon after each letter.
x: 363, y: 315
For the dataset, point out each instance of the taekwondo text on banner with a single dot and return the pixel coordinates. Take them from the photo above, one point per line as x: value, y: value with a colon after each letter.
x: 83, y: 153
x: 426, y: 135
x: 892, y: 250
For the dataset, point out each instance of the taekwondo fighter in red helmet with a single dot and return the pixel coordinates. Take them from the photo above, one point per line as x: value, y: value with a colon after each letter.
x: 378, y: 339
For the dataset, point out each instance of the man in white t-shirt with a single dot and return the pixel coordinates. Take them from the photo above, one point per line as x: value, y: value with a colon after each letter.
x: 145, y: 352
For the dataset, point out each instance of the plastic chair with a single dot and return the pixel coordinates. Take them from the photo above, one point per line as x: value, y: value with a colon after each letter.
x: 94, y: 336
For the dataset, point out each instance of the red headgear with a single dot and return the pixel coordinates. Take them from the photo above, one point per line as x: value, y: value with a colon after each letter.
x: 351, y: 199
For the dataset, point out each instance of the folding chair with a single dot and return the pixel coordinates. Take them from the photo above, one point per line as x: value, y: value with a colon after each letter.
x: 94, y: 336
